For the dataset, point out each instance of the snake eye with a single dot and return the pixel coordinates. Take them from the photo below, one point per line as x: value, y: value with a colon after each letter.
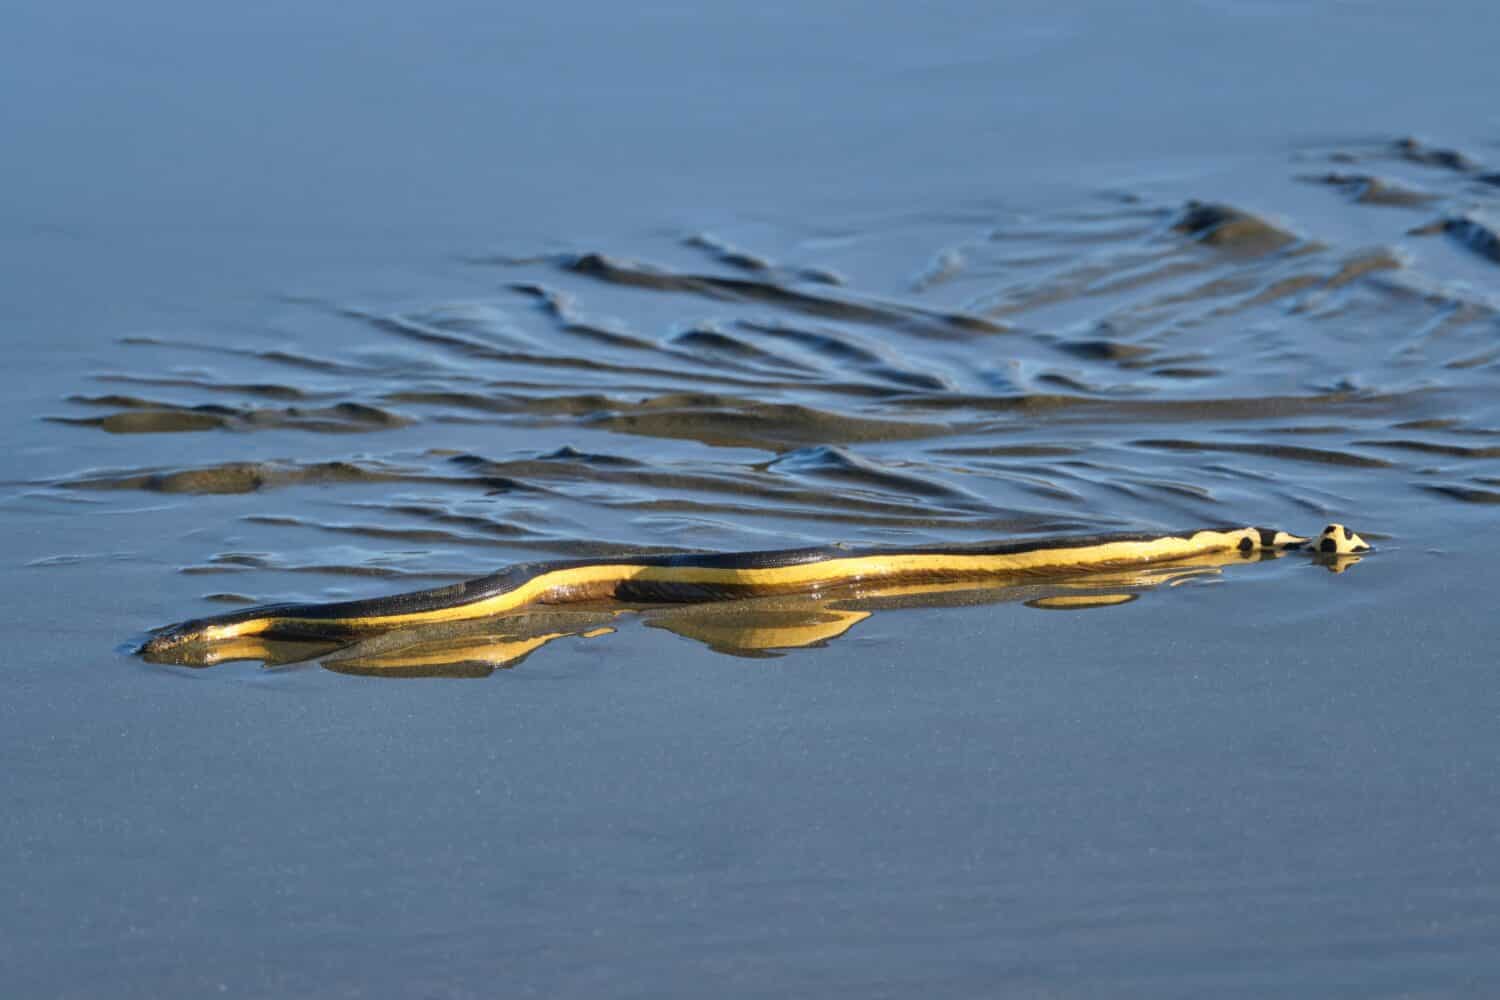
x: 1246, y: 545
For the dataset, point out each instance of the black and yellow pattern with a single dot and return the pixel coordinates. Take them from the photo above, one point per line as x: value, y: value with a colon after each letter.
x: 691, y: 579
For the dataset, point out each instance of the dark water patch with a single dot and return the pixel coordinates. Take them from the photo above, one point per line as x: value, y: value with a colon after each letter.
x: 593, y: 407
x: 698, y: 345
x: 293, y: 359
x: 1439, y: 303
x: 268, y: 390
x: 413, y: 328
x: 555, y: 303
x: 1474, y: 234
x: 1188, y: 490
x: 843, y: 349
x: 1368, y: 189
x: 1321, y: 429
x: 1230, y: 228
x: 152, y: 421
x: 1415, y: 151
x: 1186, y: 373
x: 828, y: 343
x: 709, y: 343
x: 1073, y: 382
x: 564, y: 459
x: 1150, y: 362
x: 739, y: 259
x: 1468, y: 494
x: 1009, y: 450
x: 1429, y: 424
x: 543, y: 405
x: 1073, y: 408
x: 250, y: 477
x: 902, y: 317
x: 903, y: 378
x: 224, y: 597
x: 1014, y: 402
x: 1275, y: 291
x: 472, y: 525
x: 741, y: 424
x: 1104, y: 350
x: 588, y: 405
x: 1369, y: 262
x: 1117, y: 273
x: 478, y: 351
x: 493, y: 403
x: 336, y: 417
x: 146, y: 416
x: 821, y: 276
x: 560, y: 306
x: 1289, y: 452
x: 567, y: 453
x: 728, y: 255
x: 1222, y: 294
x: 1480, y: 360
x: 1436, y: 448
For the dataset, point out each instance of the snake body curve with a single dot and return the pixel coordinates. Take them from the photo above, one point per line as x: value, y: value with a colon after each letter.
x: 697, y: 578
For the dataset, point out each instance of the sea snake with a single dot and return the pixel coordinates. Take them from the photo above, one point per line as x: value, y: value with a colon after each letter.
x: 697, y: 578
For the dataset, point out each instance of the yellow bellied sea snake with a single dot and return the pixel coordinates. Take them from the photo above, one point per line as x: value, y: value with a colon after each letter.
x: 686, y: 579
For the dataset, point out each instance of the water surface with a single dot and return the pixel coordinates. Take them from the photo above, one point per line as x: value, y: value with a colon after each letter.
x: 435, y: 297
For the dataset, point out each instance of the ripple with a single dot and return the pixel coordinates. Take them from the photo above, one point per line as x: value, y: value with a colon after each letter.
x: 1128, y: 362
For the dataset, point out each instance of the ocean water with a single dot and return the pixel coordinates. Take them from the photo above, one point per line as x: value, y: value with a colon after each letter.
x: 314, y: 304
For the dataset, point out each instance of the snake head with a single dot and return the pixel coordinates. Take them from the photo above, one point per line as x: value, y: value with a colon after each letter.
x: 1337, y: 540
x: 1337, y: 548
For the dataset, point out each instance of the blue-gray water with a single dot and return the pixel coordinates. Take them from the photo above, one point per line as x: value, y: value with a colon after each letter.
x: 346, y: 249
